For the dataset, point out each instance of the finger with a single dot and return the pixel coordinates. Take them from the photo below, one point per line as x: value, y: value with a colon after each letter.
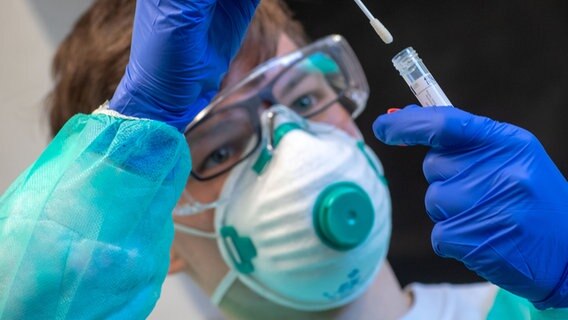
x: 444, y: 247
x: 458, y: 237
x: 446, y: 163
x: 453, y: 197
x: 488, y: 250
x: 443, y: 164
x: 433, y: 126
x: 434, y: 202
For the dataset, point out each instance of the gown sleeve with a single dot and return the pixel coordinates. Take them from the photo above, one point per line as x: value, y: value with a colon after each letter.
x: 509, y: 306
x: 85, y: 231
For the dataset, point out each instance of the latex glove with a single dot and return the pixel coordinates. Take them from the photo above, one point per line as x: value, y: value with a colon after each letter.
x: 180, y: 52
x: 499, y: 203
x: 85, y: 232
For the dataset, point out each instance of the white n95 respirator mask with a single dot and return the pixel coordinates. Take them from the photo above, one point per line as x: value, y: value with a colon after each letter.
x: 306, y: 221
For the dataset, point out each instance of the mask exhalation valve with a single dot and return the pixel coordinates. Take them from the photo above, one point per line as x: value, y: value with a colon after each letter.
x: 343, y: 216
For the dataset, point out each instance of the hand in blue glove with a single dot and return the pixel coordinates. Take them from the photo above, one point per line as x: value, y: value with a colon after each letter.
x: 499, y: 203
x: 180, y: 52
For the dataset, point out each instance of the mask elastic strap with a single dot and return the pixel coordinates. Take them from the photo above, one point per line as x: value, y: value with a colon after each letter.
x: 223, y: 287
x: 194, y: 232
x: 191, y: 206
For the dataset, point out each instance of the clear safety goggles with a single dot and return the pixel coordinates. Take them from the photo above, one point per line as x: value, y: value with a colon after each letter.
x: 308, y: 81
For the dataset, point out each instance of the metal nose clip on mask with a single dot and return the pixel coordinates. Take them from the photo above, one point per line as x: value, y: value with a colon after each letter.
x: 306, y: 222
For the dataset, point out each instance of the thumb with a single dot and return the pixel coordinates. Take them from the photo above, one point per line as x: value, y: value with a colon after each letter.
x: 440, y: 127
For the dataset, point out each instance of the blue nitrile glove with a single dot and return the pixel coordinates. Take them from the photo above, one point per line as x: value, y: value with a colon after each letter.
x: 180, y: 52
x: 499, y: 203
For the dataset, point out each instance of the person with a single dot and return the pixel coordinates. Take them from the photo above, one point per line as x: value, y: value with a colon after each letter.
x: 265, y: 260
x: 331, y: 62
x: 220, y: 185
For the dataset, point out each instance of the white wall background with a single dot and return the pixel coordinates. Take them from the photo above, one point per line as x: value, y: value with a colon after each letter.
x: 30, y: 30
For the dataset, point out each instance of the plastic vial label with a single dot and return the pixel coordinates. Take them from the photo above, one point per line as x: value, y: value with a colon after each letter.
x: 428, y: 92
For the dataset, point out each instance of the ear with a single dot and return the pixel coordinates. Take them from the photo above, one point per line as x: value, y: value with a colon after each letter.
x: 177, y: 263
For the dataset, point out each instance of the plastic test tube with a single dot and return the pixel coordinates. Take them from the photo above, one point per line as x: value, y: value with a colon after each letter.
x: 419, y: 79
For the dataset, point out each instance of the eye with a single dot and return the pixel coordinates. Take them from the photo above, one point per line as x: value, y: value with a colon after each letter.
x: 304, y: 103
x: 218, y: 157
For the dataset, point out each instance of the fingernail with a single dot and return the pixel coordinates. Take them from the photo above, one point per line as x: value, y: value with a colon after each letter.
x: 392, y: 110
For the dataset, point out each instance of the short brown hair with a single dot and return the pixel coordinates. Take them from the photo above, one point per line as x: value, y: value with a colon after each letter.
x: 90, y: 62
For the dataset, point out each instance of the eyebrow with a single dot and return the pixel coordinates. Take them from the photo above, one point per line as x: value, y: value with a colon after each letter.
x: 256, y: 82
x: 222, y: 123
x: 292, y: 83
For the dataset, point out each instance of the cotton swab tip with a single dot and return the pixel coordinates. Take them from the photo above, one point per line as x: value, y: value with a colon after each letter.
x: 380, y: 29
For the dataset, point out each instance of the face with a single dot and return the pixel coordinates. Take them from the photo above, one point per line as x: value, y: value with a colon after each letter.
x: 198, y: 256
